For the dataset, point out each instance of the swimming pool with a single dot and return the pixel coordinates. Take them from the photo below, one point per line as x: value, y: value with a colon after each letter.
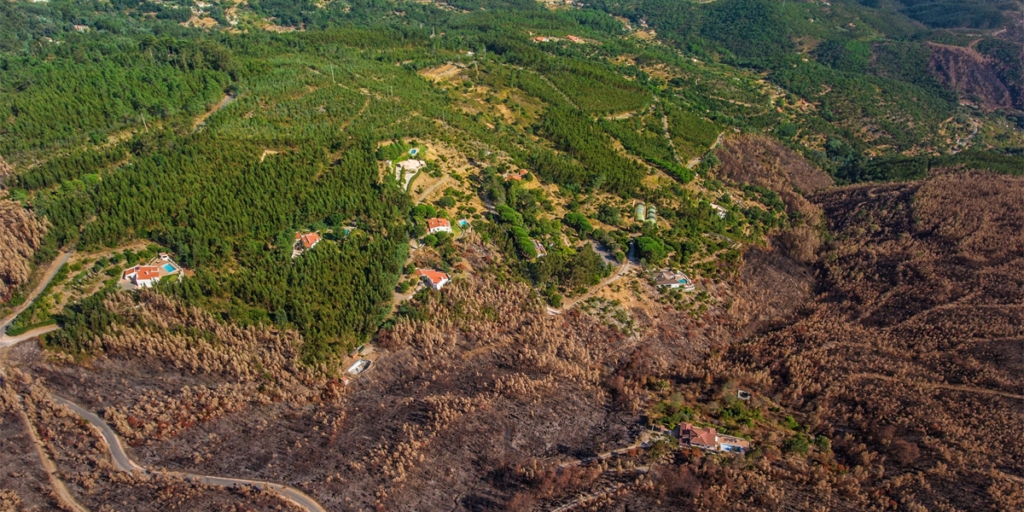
x: 169, y: 268
x: 413, y: 151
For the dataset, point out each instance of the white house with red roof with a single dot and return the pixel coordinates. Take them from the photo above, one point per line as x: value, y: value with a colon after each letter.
x: 308, y: 240
x: 434, y: 278
x: 142, y: 276
x: 709, y: 439
x: 437, y: 225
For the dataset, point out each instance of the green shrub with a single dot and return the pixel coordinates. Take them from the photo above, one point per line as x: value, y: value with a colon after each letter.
x: 797, y: 444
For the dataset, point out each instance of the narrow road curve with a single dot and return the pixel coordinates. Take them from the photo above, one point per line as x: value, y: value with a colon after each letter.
x: 590, y: 293
x: 697, y: 160
x: 426, y: 193
x: 622, y: 270
x: 6, y: 341
x: 50, y: 272
x: 124, y: 463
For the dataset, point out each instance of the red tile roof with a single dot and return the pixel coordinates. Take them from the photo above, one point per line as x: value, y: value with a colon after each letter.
x: 142, y: 273
x: 308, y: 239
x: 700, y: 436
x: 147, y: 273
x: 434, y: 276
x: 438, y: 223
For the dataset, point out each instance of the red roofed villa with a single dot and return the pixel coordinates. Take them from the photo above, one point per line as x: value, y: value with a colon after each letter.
x: 709, y: 439
x: 433, y: 278
x: 435, y: 225
x: 141, y: 276
x: 308, y: 239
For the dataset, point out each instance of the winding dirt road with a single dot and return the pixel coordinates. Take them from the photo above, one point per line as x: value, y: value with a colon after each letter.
x: 201, y: 120
x: 668, y: 137
x: 50, y: 272
x: 125, y: 463
x: 431, y: 190
x: 7, y: 341
x: 937, y: 385
x: 590, y: 293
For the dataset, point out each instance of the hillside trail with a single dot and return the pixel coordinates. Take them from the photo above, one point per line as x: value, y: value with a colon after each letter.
x: 60, y: 490
x: 553, y: 86
x: 366, y: 104
x: 937, y: 385
x: 591, y: 496
x: 626, y: 265
x: 668, y: 137
x: 55, y: 265
x: 695, y: 161
x: 426, y: 193
x: 124, y: 463
x: 201, y: 120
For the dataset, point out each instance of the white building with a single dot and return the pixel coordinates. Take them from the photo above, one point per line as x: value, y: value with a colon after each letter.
x: 142, y: 276
x: 433, y: 278
x: 437, y: 225
x: 673, y: 280
x: 719, y: 210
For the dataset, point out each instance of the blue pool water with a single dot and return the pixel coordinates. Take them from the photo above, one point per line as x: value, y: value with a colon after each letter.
x: 169, y: 268
x: 413, y: 151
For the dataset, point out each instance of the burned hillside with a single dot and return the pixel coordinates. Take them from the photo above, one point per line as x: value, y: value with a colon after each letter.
x: 478, y: 379
x: 909, y: 362
x: 879, y: 376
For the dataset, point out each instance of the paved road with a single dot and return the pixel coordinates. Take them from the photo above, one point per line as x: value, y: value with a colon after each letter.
x: 50, y: 272
x: 125, y: 463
